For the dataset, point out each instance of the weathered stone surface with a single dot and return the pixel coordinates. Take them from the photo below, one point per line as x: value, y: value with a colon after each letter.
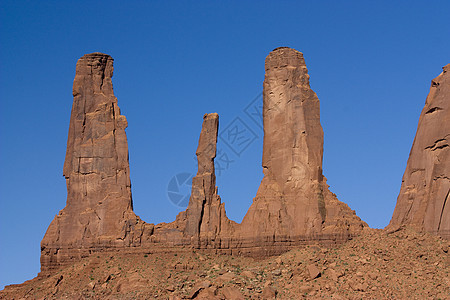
x: 423, y: 199
x: 233, y: 293
x: 205, y: 219
x: 98, y: 211
x: 313, y: 271
x: 293, y: 203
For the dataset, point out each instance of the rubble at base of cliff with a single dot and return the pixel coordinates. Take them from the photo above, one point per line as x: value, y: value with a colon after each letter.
x: 379, y: 264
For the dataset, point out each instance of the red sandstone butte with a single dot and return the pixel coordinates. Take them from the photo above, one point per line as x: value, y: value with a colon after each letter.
x: 423, y: 199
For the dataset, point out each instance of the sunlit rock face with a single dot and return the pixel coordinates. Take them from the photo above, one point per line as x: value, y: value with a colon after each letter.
x: 292, y: 207
x: 99, y: 208
x: 423, y: 199
x: 205, y: 220
x: 293, y: 204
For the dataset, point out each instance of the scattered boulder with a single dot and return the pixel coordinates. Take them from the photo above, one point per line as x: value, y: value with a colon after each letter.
x: 269, y: 293
x: 197, y: 288
x: 232, y: 293
x: 248, y: 274
x: 226, y: 277
x: 313, y: 272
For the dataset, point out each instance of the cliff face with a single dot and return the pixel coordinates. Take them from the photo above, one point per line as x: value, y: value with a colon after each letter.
x: 423, y: 199
x: 98, y: 211
x: 293, y: 202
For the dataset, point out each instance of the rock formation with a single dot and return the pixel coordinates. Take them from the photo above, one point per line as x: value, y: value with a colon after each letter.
x: 98, y: 211
x: 205, y: 219
x: 423, y: 199
x: 293, y: 203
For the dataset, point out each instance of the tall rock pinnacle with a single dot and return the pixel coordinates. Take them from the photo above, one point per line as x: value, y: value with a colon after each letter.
x: 423, y: 201
x: 96, y: 169
x: 205, y: 216
x: 293, y: 202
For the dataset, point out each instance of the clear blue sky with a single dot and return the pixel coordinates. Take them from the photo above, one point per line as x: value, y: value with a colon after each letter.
x: 371, y: 63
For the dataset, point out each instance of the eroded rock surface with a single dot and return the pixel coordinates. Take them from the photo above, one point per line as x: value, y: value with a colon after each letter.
x: 423, y: 199
x: 293, y: 203
x: 99, y: 208
x: 205, y: 220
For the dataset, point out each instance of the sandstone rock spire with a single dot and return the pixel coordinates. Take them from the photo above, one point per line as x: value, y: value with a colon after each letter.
x: 96, y: 168
x: 205, y: 216
x: 423, y: 201
x: 293, y: 202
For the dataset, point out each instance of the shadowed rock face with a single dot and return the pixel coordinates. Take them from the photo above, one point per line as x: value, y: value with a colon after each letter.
x: 423, y: 200
x: 293, y: 202
x: 98, y: 211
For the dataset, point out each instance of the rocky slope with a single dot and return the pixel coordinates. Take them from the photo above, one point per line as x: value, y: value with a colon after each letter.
x: 424, y: 195
x: 377, y: 264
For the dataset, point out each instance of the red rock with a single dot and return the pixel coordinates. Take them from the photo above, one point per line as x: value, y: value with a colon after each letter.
x: 226, y: 277
x: 304, y: 289
x: 313, y: 272
x: 292, y: 207
x: 232, y: 293
x: 197, y: 288
x: 293, y: 203
x: 333, y: 275
x: 422, y: 202
x: 269, y: 293
x: 98, y: 212
x: 205, y: 219
x: 208, y: 294
x: 248, y: 274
